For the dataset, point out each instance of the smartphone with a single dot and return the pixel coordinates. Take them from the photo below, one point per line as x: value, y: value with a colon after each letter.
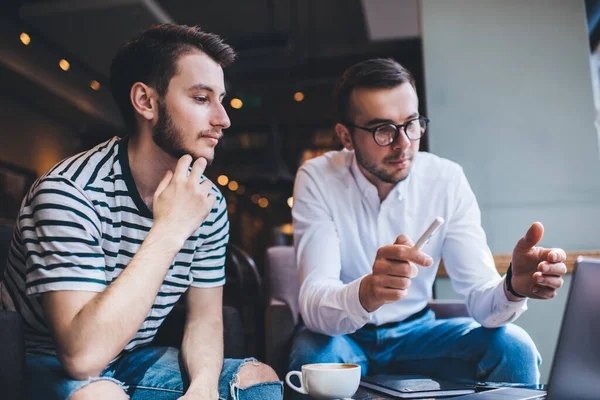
x: 435, y: 225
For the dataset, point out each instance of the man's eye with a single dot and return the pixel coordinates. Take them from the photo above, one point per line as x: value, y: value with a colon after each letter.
x: 414, y: 124
x: 201, y: 99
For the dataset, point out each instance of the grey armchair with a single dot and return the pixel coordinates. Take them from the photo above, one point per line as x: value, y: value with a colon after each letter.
x: 282, y: 314
x: 12, y: 345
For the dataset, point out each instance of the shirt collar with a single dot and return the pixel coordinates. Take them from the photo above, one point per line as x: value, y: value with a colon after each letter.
x: 365, y: 186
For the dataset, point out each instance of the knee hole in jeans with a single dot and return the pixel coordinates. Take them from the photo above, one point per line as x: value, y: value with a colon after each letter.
x: 253, y: 373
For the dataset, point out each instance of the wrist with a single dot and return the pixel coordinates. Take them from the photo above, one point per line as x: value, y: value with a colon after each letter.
x: 512, y: 294
x: 366, y: 295
x: 166, y: 238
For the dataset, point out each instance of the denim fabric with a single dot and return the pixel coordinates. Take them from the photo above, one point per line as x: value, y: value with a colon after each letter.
x: 457, y: 349
x: 146, y: 373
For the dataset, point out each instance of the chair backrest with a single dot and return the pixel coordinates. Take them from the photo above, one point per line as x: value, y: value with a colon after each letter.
x: 6, y: 233
x: 244, y: 291
x: 12, y: 336
x: 282, y: 277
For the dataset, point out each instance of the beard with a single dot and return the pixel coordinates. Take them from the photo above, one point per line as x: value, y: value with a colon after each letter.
x: 377, y: 169
x: 170, y: 138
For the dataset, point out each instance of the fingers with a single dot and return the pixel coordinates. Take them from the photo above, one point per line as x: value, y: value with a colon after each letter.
x: 550, y: 275
x: 182, y: 168
x: 393, y: 269
x: 553, y: 255
x: 205, y: 187
x: 397, y: 252
x: 408, y: 253
x: 212, y: 199
x: 163, y: 183
x: 532, y: 237
x: 405, y: 240
x: 402, y: 269
x: 391, y: 282
x: 550, y: 281
x: 198, y: 169
x: 557, y: 269
x: 543, y: 293
x: 386, y: 295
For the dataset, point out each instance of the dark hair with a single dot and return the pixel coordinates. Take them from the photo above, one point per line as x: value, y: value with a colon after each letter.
x: 374, y: 73
x: 152, y: 58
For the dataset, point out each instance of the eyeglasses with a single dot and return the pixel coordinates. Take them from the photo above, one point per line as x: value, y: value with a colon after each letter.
x: 386, y: 134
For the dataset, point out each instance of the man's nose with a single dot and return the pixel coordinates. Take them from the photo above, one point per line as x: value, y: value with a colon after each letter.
x: 402, y: 141
x: 220, y: 117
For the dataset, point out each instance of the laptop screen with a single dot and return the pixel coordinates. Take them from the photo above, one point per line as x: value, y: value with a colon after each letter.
x: 575, y: 372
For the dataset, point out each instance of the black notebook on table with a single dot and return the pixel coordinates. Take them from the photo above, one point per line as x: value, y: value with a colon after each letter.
x: 414, y: 386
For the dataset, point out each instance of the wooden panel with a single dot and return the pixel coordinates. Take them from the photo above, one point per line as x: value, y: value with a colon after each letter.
x: 503, y: 260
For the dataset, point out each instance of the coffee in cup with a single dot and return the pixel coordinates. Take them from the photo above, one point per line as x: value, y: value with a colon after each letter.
x: 327, y: 380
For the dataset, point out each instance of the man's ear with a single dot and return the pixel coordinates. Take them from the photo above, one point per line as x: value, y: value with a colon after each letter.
x: 143, y: 100
x: 344, y: 134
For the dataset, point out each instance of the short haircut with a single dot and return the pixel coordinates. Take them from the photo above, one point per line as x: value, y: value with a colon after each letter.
x: 374, y: 73
x: 152, y: 58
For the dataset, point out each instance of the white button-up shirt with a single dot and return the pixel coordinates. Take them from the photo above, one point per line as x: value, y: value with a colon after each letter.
x: 340, y: 223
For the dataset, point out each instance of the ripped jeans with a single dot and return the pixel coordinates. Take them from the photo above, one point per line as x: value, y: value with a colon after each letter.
x: 146, y: 373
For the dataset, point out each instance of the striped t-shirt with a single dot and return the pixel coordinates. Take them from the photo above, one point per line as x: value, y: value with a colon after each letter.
x: 78, y: 228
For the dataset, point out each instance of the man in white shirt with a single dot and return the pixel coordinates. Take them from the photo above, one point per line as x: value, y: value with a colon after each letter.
x: 364, y: 288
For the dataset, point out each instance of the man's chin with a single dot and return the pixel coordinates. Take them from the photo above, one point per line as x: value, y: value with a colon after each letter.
x: 390, y: 175
x: 397, y: 177
x: 209, y: 157
x: 178, y: 153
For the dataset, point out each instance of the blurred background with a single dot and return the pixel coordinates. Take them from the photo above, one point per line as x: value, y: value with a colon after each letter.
x: 509, y: 86
x: 56, y: 62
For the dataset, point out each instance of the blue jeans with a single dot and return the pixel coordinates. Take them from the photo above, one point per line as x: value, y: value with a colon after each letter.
x: 456, y: 349
x: 146, y: 373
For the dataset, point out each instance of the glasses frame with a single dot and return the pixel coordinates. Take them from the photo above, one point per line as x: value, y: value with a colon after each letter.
x: 397, y: 126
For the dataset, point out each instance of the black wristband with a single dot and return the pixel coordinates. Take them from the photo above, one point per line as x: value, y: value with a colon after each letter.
x: 509, y: 283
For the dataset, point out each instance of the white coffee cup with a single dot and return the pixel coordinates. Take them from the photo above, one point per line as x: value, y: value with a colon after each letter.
x: 327, y: 380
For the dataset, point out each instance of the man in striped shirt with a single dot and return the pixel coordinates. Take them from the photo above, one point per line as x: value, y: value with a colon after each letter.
x: 108, y: 240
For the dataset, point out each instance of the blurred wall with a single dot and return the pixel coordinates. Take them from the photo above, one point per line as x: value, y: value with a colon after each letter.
x: 509, y: 92
x: 32, y: 140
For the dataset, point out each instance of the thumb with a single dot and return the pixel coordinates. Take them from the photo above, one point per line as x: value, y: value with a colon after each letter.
x: 163, y: 183
x: 532, y: 237
x: 404, y: 240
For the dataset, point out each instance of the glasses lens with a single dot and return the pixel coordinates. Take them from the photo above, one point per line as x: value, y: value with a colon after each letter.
x: 416, y: 128
x: 385, y: 135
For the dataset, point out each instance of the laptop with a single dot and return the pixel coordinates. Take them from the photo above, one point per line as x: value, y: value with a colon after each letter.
x: 575, y: 372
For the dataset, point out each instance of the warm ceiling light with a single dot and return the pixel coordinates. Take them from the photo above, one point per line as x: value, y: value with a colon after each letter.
x: 287, y: 229
x: 64, y: 65
x: 241, y: 189
x: 233, y: 186
x: 236, y: 103
x: 95, y: 85
x: 255, y: 198
x: 223, y: 180
x: 290, y: 201
x: 298, y: 96
x: 263, y: 202
x: 25, y: 39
